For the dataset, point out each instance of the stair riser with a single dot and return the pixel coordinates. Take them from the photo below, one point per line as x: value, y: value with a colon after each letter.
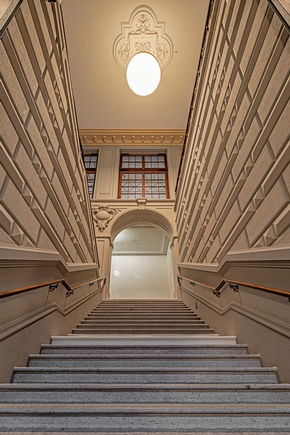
x: 142, y: 331
x: 141, y: 322
x: 142, y: 350
x: 186, y: 397
x: 95, y: 363
x: 135, y: 423
x: 129, y: 378
x: 143, y: 310
x: 142, y: 325
x: 143, y: 318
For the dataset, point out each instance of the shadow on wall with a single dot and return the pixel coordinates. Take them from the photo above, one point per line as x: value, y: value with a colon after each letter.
x: 141, y: 264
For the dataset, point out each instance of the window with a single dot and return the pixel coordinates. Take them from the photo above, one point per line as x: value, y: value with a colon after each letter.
x: 90, y: 162
x: 143, y: 176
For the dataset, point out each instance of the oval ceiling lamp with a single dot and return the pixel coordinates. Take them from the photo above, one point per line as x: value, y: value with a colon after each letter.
x: 143, y: 74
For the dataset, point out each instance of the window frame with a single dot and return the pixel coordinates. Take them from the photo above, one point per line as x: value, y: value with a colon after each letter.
x: 91, y: 171
x: 143, y: 171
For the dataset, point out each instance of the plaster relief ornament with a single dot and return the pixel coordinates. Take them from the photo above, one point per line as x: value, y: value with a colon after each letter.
x: 143, y: 33
x: 102, y: 216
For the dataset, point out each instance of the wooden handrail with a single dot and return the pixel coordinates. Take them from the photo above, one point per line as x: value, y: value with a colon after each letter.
x: 217, y: 290
x: 52, y: 284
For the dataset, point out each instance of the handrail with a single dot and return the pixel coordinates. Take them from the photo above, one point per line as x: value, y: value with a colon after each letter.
x: 235, y: 286
x: 52, y: 286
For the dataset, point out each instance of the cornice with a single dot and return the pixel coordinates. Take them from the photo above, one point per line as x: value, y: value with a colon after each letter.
x: 166, y: 137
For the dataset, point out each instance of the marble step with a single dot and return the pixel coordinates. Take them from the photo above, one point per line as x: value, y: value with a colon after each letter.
x: 143, y: 361
x: 145, y: 318
x: 145, y: 393
x: 144, y: 375
x: 89, y: 321
x: 141, y: 417
x: 212, y: 350
x: 142, y: 330
x: 141, y: 340
x: 142, y: 309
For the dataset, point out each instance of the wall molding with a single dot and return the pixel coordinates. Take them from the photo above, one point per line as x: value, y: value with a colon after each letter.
x: 266, y: 257
x: 17, y: 256
x: 19, y: 324
x: 264, y: 319
x: 95, y: 137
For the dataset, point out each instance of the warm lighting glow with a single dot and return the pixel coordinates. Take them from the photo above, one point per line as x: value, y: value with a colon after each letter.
x: 143, y: 74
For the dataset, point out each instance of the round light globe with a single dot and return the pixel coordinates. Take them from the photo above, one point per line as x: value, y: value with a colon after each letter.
x: 143, y: 74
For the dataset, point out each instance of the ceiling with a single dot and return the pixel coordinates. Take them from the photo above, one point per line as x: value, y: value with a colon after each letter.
x: 103, y: 98
x: 141, y: 240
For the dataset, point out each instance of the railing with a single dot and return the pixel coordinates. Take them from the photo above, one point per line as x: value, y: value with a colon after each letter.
x: 235, y: 286
x: 52, y: 286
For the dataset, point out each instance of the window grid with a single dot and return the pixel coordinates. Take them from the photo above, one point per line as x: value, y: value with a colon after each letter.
x: 143, y: 176
x: 90, y: 162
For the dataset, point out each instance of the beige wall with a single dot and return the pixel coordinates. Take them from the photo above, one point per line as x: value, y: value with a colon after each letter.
x: 258, y: 319
x: 141, y: 276
x: 107, y: 175
x: 233, y: 214
x: 106, y: 196
x: 234, y: 191
x: 30, y: 319
x: 46, y: 228
x: 45, y: 212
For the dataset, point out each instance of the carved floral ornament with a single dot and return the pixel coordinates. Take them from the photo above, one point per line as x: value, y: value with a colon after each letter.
x: 102, y: 216
x: 143, y: 32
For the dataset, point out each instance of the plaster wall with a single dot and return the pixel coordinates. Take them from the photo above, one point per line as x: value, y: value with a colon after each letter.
x: 30, y: 319
x: 232, y: 205
x: 46, y: 228
x: 45, y: 211
x: 234, y: 190
x: 107, y: 174
x: 141, y: 276
x: 106, y: 197
x: 257, y: 319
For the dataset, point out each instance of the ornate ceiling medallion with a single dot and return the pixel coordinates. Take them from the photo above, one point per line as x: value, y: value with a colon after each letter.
x: 143, y: 33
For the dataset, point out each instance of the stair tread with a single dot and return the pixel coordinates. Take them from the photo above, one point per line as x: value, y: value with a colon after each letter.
x: 148, y: 408
x: 149, y: 369
x: 150, y: 386
x: 148, y: 356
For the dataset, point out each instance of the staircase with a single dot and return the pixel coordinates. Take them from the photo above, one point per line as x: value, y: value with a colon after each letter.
x: 146, y: 367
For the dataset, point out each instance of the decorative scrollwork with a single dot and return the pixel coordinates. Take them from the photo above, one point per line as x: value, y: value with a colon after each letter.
x: 143, y: 32
x: 102, y: 216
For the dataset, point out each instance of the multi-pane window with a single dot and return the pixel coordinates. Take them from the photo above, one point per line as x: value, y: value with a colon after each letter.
x: 90, y: 162
x: 143, y: 176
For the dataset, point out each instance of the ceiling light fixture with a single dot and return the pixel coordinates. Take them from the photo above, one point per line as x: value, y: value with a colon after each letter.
x: 143, y: 74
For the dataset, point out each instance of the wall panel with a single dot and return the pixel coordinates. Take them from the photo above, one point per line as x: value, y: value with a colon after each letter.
x: 44, y: 198
x: 238, y: 143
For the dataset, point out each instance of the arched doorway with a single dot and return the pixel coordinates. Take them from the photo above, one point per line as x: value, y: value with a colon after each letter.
x: 141, y: 265
x: 143, y: 260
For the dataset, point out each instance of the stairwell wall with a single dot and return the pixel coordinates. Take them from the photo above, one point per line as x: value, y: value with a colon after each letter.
x: 46, y: 228
x: 232, y: 206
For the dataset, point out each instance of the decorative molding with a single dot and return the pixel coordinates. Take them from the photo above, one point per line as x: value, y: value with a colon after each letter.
x: 23, y: 322
x: 275, y: 256
x: 264, y: 319
x: 231, y: 194
x: 132, y: 137
x: 102, y: 216
x: 143, y: 32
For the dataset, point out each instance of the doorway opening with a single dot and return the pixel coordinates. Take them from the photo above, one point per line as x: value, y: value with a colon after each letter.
x: 141, y: 266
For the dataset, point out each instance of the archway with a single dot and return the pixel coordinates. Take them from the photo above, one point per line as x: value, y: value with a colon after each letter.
x: 142, y: 264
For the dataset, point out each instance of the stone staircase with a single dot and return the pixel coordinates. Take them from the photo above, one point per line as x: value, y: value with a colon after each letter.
x: 146, y: 367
